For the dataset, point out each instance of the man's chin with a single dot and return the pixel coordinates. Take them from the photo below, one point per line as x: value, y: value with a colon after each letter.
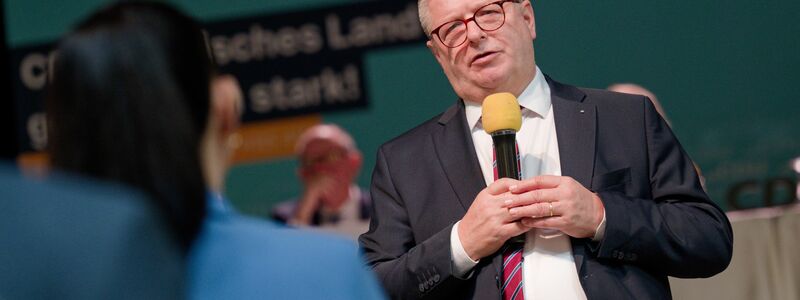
x: 491, y: 83
x: 489, y: 77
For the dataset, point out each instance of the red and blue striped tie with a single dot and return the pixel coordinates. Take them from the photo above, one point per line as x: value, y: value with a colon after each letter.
x: 512, y: 272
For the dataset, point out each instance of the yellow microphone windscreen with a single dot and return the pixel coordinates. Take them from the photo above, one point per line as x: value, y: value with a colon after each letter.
x: 501, y: 111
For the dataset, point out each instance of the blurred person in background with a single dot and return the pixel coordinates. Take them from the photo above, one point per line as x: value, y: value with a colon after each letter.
x: 128, y: 104
x: 635, y: 89
x: 329, y: 164
x: 136, y: 99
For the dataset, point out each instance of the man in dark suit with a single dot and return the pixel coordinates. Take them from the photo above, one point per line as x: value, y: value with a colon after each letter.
x: 609, y: 204
x: 71, y: 238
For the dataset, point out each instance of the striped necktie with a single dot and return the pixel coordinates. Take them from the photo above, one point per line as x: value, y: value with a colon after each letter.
x: 512, y: 253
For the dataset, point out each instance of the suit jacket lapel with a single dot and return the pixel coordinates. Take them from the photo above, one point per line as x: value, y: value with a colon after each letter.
x: 576, y: 127
x: 456, y: 152
x: 454, y: 147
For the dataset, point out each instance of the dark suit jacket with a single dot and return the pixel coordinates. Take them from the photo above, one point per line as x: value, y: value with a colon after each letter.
x: 71, y: 238
x: 660, y: 222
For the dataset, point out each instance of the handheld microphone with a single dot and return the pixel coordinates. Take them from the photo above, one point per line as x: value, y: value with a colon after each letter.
x: 502, y: 118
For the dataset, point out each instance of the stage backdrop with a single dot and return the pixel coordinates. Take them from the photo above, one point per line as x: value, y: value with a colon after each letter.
x: 725, y: 71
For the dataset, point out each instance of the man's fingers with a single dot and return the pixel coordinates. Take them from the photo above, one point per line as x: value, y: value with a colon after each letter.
x: 556, y: 222
x: 536, y: 210
x: 531, y: 197
x: 501, y: 186
x: 537, y: 182
x: 515, y: 228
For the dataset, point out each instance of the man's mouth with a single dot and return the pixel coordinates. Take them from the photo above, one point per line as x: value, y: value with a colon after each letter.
x: 482, y: 58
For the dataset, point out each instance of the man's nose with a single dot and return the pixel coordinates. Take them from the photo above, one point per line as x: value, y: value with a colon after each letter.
x: 474, y: 32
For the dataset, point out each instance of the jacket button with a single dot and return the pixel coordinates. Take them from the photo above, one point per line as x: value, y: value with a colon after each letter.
x: 436, y: 278
x: 421, y: 288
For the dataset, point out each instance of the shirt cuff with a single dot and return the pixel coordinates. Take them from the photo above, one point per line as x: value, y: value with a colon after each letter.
x: 462, y: 263
x: 600, y: 232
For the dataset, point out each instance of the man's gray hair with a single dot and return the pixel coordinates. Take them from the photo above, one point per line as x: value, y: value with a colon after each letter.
x: 424, y: 16
x: 329, y: 132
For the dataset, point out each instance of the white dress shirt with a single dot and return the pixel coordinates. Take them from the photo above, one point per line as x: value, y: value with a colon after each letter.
x: 548, y: 270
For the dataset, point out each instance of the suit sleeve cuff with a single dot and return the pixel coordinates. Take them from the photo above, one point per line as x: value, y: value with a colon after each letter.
x: 462, y: 263
x: 600, y: 232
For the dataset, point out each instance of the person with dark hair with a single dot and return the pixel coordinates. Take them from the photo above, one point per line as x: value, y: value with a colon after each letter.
x: 129, y: 103
x: 136, y: 99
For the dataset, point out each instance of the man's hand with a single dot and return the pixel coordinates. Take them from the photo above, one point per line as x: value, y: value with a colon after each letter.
x: 556, y: 202
x: 487, y: 224
x: 316, y: 190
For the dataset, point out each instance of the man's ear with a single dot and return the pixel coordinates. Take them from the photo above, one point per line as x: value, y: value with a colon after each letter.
x: 354, y: 162
x: 439, y: 54
x: 357, y: 159
x: 529, y: 18
x: 436, y: 52
x: 226, y: 104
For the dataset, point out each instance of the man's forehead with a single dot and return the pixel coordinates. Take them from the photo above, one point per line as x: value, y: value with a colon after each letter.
x: 444, y: 10
x: 323, y: 144
x: 321, y: 147
x: 324, y: 132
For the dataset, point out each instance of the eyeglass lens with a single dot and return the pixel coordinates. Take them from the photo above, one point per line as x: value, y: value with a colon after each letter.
x: 488, y: 18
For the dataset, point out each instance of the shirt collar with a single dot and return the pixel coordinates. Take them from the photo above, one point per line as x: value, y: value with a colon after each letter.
x: 535, y: 97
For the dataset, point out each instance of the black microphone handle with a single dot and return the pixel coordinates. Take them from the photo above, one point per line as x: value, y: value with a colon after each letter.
x: 507, y: 160
x: 506, y: 155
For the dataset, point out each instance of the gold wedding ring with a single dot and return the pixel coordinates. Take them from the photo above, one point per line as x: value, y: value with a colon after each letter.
x: 551, y: 208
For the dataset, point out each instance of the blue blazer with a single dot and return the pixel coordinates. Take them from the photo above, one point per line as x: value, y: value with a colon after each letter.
x: 75, y: 238
x: 238, y: 257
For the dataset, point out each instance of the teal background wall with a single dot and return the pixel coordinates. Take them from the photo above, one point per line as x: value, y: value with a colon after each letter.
x: 725, y: 72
